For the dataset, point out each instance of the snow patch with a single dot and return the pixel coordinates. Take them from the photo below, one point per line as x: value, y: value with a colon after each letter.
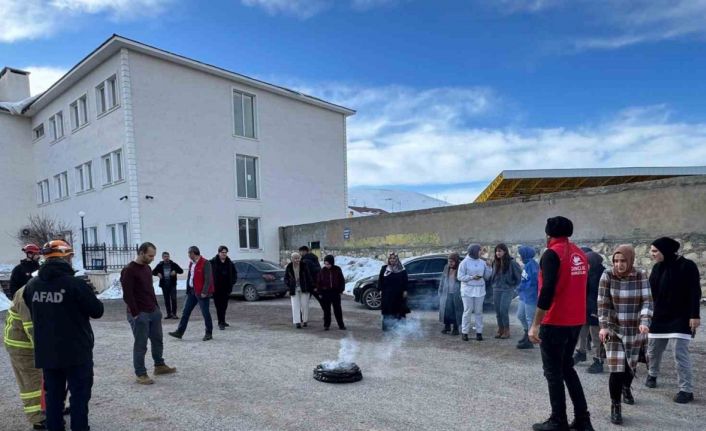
x: 355, y: 268
x: 4, y: 302
x: 115, y: 291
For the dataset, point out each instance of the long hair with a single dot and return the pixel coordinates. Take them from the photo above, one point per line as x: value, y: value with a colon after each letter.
x: 503, y: 264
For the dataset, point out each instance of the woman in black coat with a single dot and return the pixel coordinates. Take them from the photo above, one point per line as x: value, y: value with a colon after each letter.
x: 298, y: 278
x: 330, y: 285
x: 392, y: 283
x: 224, y: 277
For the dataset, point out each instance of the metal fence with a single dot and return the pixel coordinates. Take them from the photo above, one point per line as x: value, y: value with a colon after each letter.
x: 103, y: 257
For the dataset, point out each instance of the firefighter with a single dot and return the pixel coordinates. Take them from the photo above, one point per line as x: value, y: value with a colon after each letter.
x: 23, y: 272
x: 19, y: 343
x: 61, y: 306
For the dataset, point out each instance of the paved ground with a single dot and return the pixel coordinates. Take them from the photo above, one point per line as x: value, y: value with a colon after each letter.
x: 257, y: 375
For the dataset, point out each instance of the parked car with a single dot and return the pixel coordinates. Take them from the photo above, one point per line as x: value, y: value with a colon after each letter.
x: 424, y: 274
x: 258, y: 278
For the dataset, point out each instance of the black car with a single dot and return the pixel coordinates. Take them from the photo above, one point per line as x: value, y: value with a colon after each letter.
x: 423, y: 273
x: 258, y: 278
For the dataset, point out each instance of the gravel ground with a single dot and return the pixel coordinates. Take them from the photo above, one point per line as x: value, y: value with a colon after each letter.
x: 257, y: 375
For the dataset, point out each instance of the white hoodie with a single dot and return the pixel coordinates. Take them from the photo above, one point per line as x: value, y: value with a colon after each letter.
x: 473, y: 273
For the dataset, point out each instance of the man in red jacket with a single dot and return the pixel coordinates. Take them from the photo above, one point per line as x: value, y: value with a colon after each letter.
x: 199, y: 290
x: 561, y: 312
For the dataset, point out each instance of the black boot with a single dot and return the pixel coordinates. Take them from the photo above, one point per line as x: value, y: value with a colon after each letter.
x: 551, y: 424
x: 579, y: 357
x: 627, y: 396
x: 525, y: 343
x: 582, y: 423
x: 447, y: 329
x: 465, y: 337
x: 616, y: 414
x: 455, y: 330
x: 596, y: 367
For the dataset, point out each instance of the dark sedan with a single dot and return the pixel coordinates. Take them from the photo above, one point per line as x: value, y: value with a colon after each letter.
x: 258, y: 278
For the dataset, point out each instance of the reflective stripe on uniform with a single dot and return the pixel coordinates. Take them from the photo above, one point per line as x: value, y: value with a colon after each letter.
x: 32, y: 409
x: 20, y: 344
x: 30, y: 395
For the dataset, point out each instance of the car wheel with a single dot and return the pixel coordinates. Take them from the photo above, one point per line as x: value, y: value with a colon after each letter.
x: 372, y: 298
x: 250, y: 293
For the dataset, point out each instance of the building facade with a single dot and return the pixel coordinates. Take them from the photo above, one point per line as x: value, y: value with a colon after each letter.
x: 152, y: 146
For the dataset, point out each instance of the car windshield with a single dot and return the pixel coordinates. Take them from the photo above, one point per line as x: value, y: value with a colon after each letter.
x: 266, y: 266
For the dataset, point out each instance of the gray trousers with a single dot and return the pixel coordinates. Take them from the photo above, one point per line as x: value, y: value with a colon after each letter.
x: 472, y: 306
x: 146, y: 326
x: 583, y: 340
x: 656, y: 348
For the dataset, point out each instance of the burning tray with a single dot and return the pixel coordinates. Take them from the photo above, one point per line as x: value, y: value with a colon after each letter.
x: 343, y: 372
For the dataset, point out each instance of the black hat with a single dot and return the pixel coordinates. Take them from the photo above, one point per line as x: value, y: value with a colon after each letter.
x: 667, y: 246
x: 558, y: 227
x: 329, y: 259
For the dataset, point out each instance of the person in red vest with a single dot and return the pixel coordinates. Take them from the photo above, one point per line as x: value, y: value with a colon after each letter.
x: 561, y: 312
x: 199, y: 290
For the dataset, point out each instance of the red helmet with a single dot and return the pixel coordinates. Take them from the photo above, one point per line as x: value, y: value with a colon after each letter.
x: 31, y: 248
x: 57, y: 248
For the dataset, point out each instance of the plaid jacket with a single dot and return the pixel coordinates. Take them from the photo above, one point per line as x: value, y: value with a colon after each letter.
x: 623, y: 305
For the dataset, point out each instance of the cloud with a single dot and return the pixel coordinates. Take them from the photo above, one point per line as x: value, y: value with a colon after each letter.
x: 32, y: 19
x: 304, y: 9
x: 439, y: 139
x: 42, y: 77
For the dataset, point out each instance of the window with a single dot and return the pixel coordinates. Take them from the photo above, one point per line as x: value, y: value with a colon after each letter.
x: 112, y: 167
x: 43, y: 192
x: 248, y: 231
x: 106, y: 95
x: 91, y: 235
x: 79, y: 112
x: 62, y: 185
x: 435, y: 266
x: 244, y: 114
x: 56, y: 126
x: 242, y: 269
x: 38, y: 132
x: 246, y: 173
x: 415, y: 267
x: 84, y: 177
x: 117, y: 234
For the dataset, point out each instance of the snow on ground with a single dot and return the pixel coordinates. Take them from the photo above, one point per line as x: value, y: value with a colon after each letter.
x: 115, y: 291
x: 4, y: 302
x: 355, y: 268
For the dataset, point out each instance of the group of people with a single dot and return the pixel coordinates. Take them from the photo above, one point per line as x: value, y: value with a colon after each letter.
x: 566, y: 300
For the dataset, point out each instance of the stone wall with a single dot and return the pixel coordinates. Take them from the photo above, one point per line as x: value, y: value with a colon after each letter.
x: 603, y: 218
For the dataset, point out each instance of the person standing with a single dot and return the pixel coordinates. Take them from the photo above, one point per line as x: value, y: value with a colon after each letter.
x: 61, y: 306
x: 676, y: 291
x: 199, y: 289
x: 167, y: 271
x: 624, y: 314
x: 143, y: 313
x: 450, y: 302
x: 330, y: 285
x: 507, y: 275
x: 224, y: 277
x: 561, y: 312
x: 473, y: 273
x: 298, y: 278
x: 23, y: 271
x: 20, y: 346
x: 392, y: 282
x: 595, y: 272
x: 527, y: 292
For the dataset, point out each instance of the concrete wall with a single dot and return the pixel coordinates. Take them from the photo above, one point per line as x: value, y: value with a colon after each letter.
x: 603, y: 217
x: 17, y: 195
x: 186, y: 150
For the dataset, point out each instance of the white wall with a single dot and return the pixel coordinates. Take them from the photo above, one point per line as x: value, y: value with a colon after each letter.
x: 17, y: 179
x: 186, y: 160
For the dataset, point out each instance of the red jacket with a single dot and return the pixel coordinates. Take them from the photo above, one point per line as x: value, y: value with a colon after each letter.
x: 569, y: 304
x: 202, y: 269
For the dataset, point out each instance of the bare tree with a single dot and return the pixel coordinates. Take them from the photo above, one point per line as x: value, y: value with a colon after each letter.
x: 42, y: 228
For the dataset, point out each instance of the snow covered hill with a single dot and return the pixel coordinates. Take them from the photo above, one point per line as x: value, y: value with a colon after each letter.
x: 391, y: 200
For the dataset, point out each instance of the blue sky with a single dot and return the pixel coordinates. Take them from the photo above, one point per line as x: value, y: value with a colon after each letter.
x: 448, y: 92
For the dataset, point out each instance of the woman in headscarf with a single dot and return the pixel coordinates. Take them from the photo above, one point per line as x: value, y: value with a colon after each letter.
x: 392, y: 283
x: 624, y: 316
x: 450, y: 303
x: 507, y: 275
x: 298, y: 278
x: 473, y: 273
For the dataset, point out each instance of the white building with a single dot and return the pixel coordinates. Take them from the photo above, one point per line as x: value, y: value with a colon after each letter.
x: 153, y: 146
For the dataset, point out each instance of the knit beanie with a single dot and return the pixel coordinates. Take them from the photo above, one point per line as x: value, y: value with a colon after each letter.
x: 667, y: 246
x: 559, y: 227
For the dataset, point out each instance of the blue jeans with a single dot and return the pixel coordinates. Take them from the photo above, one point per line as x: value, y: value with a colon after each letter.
x: 146, y: 326
x: 501, y: 301
x: 80, y: 382
x: 189, y: 305
x: 525, y: 314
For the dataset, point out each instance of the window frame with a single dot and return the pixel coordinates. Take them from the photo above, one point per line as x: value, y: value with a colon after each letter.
x: 77, y: 105
x: 256, y: 177
x: 84, y: 171
x: 110, y: 170
x: 249, y: 246
x: 243, y: 94
x: 38, y: 132
x: 56, y: 123
x: 42, y: 187
x: 61, y: 180
x: 107, y: 93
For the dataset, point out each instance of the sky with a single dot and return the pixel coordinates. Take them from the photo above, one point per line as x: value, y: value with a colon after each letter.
x: 448, y: 93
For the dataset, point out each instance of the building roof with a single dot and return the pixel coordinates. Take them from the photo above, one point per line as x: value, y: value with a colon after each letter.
x: 518, y: 183
x: 116, y: 42
x: 367, y: 210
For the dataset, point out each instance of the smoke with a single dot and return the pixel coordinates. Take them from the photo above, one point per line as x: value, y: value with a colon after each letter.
x: 346, y: 353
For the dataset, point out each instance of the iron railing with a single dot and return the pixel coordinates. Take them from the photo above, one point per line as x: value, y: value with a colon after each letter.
x: 103, y: 257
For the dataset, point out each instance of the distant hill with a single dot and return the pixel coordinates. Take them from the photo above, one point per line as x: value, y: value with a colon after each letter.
x: 392, y: 200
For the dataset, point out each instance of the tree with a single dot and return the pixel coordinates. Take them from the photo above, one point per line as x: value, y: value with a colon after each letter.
x: 42, y: 228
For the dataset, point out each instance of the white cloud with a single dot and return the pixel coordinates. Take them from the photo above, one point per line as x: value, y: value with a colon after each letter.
x: 32, y: 19
x: 304, y: 9
x: 42, y: 77
x: 407, y: 137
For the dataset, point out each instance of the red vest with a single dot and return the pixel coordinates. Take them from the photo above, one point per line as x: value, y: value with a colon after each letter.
x: 569, y: 305
x: 199, y: 276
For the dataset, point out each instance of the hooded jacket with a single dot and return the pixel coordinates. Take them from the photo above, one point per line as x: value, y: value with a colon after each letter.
x: 529, y: 288
x: 473, y: 274
x: 61, y: 306
x: 21, y: 274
